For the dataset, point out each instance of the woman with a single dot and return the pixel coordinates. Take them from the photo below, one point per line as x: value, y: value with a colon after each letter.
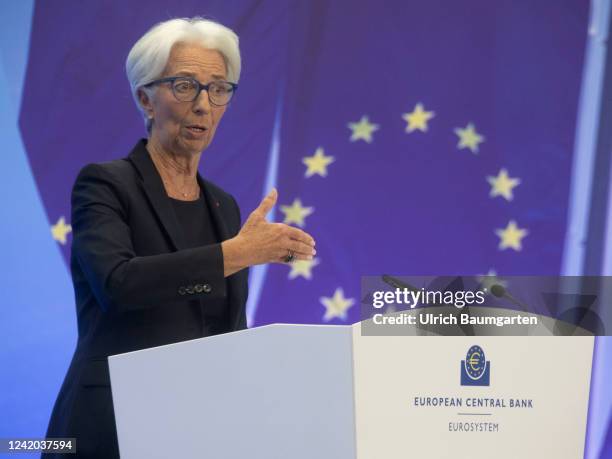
x: 158, y: 255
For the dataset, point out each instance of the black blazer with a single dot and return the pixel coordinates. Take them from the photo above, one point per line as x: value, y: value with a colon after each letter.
x: 136, y: 286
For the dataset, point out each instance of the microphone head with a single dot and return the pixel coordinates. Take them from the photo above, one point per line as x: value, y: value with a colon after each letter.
x: 498, y: 290
x: 396, y: 283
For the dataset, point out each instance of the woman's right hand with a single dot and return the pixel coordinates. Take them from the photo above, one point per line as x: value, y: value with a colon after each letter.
x: 260, y: 241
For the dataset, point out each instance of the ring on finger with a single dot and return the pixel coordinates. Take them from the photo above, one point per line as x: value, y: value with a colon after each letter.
x: 290, y: 256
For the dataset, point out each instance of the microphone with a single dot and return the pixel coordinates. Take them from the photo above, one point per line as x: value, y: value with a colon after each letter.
x: 500, y: 291
x: 396, y: 283
x: 467, y: 330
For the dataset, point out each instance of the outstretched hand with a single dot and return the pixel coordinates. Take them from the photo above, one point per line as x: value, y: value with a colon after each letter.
x: 260, y: 241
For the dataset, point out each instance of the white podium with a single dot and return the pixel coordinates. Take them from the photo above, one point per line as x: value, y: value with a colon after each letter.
x: 318, y: 392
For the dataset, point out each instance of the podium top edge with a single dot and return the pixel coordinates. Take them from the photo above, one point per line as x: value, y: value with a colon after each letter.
x: 224, y: 336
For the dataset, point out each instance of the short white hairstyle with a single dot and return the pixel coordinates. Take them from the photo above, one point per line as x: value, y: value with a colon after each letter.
x: 149, y: 55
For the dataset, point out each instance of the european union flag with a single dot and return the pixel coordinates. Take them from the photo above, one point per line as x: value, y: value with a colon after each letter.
x: 419, y: 138
x: 434, y: 139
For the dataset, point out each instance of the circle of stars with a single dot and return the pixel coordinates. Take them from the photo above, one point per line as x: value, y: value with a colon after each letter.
x: 417, y: 121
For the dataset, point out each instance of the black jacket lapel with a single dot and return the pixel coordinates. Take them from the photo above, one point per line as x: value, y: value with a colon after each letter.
x: 216, y: 212
x: 220, y: 223
x: 154, y: 188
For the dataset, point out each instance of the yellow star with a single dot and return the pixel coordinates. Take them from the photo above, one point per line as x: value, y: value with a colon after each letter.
x: 336, y: 306
x: 303, y: 268
x: 295, y: 213
x: 469, y: 138
x: 317, y: 163
x: 60, y: 230
x: 502, y: 185
x: 362, y: 130
x: 511, y: 236
x: 417, y: 119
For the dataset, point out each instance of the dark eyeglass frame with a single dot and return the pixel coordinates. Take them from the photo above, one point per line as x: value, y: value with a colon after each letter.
x: 199, y: 87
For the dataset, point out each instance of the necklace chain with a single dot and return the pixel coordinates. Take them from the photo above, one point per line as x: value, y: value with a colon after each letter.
x: 173, y: 189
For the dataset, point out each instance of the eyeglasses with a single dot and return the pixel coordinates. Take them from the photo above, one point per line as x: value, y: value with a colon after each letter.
x: 187, y: 89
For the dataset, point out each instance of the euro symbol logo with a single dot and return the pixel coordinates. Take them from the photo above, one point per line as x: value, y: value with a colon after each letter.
x: 475, y: 369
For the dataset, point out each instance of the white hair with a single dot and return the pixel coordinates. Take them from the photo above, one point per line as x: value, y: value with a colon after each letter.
x: 149, y: 55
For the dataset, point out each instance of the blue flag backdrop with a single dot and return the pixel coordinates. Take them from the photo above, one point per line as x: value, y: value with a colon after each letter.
x: 430, y: 139
x: 416, y: 138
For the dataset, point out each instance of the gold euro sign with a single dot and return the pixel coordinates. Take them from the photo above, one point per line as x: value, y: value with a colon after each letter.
x: 474, y: 361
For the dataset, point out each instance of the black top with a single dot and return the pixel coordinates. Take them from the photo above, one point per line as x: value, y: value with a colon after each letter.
x: 195, y: 220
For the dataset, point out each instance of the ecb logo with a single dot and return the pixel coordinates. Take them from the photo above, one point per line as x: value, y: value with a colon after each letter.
x: 475, y: 369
